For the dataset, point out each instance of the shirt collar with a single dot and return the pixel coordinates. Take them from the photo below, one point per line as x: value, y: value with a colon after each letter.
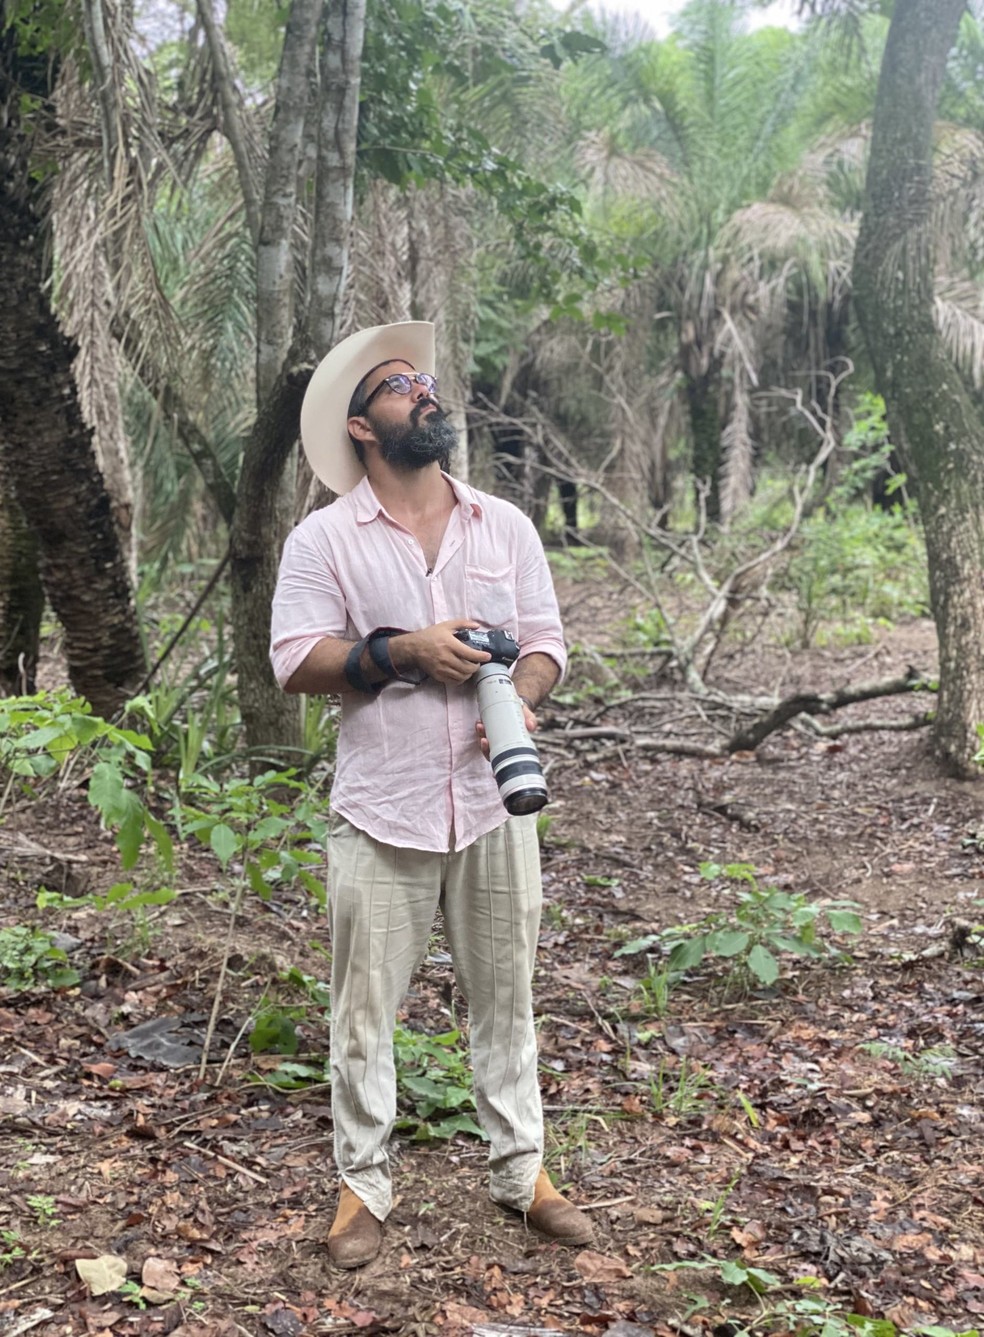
x: 368, y: 506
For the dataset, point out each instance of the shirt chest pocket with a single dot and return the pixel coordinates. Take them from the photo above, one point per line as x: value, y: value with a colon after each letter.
x: 491, y: 596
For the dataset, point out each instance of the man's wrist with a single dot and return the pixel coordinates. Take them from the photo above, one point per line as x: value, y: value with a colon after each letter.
x: 401, y: 654
x: 402, y: 651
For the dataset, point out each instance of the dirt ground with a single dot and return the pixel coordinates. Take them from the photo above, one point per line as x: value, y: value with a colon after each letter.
x: 827, y: 1127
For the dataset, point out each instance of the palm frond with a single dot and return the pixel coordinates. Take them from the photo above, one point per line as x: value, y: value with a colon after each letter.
x: 816, y: 240
x: 611, y: 169
x: 958, y: 310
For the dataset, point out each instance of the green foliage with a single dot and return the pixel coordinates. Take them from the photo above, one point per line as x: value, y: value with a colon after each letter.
x: 47, y: 28
x: 274, y: 1032
x: 764, y: 923
x: 275, y: 1028
x: 935, y: 1062
x: 679, y: 1089
x: 43, y: 1206
x: 38, y: 734
x: 437, y: 79
x: 853, y: 565
x: 11, y: 1248
x: 29, y: 958
x: 433, y: 1079
x: 807, y: 1313
x: 41, y: 734
x: 434, y: 1086
x: 250, y: 822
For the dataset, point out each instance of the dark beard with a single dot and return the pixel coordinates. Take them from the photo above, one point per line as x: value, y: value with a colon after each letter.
x: 417, y: 443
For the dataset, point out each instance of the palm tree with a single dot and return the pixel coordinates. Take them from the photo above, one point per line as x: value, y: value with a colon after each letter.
x: 49, y: 460
x: 706, y: 124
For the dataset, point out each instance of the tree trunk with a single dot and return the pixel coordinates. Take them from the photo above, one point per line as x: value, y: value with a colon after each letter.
x: 47, y: 447
x: 265, y: 492
x: 939, y: 432
x: 705, y: 429
x: 21, y: 596
x: 270, y: 716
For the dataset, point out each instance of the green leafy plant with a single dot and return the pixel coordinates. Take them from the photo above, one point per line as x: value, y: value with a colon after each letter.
x: 855, y: 566
x: 250, y: 823
x: 11, y: 1248
x: 28, y: 958
x: 934, y: 1063
x: 434, y: 1086
x: 43, y: 1207
x: 807, y: 1314
x: 764, y: 923
x: 132, y: 1293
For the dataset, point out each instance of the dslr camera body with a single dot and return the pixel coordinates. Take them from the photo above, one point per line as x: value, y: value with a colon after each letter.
x: 515, y: 761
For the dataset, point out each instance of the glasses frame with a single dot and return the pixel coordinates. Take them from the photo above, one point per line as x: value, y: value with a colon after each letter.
x: 423, y: 378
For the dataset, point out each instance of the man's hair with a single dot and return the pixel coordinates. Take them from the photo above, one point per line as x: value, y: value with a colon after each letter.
x: 357, y: 402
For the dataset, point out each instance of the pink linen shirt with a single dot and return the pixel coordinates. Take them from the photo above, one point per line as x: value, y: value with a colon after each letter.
x: 409, y: 768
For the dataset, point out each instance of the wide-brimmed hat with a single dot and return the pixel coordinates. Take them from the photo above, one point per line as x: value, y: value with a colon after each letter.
x: 324, y: 412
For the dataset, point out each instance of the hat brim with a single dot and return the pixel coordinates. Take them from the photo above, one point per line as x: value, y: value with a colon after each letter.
x: 324, y: 410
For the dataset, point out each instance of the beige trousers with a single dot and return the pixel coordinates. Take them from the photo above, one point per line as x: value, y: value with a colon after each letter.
x: 381, y: 905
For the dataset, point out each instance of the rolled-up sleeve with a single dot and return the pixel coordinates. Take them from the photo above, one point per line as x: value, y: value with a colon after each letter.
x: 540, y: 630
x: 308, y: 604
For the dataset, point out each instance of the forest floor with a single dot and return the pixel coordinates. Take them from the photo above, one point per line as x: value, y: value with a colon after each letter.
x: 725, y: 1140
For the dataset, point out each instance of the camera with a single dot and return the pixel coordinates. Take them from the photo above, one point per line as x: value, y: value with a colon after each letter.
x: 515, y: 761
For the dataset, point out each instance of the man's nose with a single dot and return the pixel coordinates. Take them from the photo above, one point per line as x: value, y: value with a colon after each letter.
x: 419, y: 391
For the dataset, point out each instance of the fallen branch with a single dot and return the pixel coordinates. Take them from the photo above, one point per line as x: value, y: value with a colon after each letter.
x: 814, y: 703
x: 802, y: 706
x: 919, y: 721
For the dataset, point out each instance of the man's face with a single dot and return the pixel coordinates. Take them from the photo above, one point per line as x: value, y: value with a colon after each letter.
x: 412, y: 429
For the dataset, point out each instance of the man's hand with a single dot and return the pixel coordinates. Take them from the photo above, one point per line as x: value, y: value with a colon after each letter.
x: 436, y: 651
x: 528, y: 718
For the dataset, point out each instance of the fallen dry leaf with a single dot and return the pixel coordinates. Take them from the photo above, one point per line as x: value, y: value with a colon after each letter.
x: 463, y: 1314
x: 600, y: 1267
x: 161, y: 1274
x: 155, y: 1297
x: 103, y: 1274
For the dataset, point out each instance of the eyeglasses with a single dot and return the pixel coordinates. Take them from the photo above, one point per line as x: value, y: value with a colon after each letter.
x: 401, y: 384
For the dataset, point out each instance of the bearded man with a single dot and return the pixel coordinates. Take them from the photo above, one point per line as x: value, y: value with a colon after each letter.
x: 371, y: 592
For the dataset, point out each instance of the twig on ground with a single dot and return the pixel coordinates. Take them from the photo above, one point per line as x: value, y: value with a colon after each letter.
x: 224, y: 1160
x: 213, y: 1018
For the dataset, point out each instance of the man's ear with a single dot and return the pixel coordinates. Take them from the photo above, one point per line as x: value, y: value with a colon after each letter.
x: 359, y: 428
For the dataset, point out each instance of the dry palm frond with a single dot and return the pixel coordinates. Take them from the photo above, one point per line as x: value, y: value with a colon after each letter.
x: 812, y: 237
x: 959, y: 313
x: 611, y: 169
x: 833, y: 167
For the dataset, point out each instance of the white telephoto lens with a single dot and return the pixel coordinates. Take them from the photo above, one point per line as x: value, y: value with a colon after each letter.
x: 515, y: 761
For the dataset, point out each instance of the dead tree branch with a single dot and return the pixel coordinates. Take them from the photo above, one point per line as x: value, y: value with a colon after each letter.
x: 814, y: 703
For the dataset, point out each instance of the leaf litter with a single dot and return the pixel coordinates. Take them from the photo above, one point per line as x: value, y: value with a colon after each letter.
x: 827, y: 1128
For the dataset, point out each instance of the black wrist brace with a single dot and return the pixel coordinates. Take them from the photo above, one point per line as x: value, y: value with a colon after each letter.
x: 377, y: 643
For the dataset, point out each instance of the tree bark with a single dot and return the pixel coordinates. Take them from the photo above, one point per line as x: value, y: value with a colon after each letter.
x: 275, y: 273
x: 939, y: 432
x: 271, y: 718
x: 335, y: 187
x: 21, y: 596
x: 47, y: 446
x: 265, y: 496
x: 705, y: 429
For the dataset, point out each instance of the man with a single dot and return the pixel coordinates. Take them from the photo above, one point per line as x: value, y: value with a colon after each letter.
x: 371, y: 591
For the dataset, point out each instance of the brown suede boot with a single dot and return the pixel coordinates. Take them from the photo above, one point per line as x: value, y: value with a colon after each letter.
x: 355, y: 1234
x: 550, y: 1214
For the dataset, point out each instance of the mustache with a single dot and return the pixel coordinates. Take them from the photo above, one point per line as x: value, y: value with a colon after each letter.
x: 437, y: 416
